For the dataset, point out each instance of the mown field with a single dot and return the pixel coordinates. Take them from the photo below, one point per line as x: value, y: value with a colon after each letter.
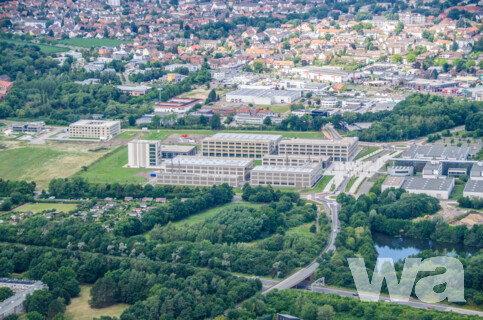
x: 41, y: 163
x: 40, y: 207
x: 110, y: 169
x: 43, y: 47
x: 79, y: 308
x: 91, y: 43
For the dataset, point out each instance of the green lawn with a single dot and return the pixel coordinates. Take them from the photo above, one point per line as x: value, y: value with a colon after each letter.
x: 41, y: 163
x: 200, y: 217
x: 126, y: 135
x: 349, y: 185
x: 322, y: 184
x: 110, y: 169
x: 457, y: 191
x: 43, y: 47
x: 302, y: 230
x: 79, y: 308
x: 279, y: 109
x: 163, y: 133
x: 40, y: 207
x: 365, y: 151
x: 91, y: 43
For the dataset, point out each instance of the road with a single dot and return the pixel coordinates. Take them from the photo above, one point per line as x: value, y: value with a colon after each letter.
x: 331, y: 207
x: 348, y: 293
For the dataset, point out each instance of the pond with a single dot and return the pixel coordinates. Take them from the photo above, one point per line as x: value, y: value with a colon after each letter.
x: 400, y: 247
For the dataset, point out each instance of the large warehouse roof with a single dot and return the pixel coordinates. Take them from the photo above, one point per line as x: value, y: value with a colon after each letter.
x: 418, y: 183
x: 436, y: 152
x: 266, y: 93
x: 210, y: 161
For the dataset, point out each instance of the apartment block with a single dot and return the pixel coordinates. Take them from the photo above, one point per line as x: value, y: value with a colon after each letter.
x: 97, y: 129
x: 144, y: 153
x: 295, y: 160
x: 339, y: 150
x: 195, y: 171
x: 235, y: 145
x: 286, y: 176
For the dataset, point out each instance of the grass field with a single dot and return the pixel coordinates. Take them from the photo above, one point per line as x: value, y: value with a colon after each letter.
x: 39, y: 207
x: 91, y: 43
x: 43, y: 47
x: 110, y: 169
x: 349, y: 185
x: 365, y: 151
x: 126, y: 135
x: 302, y: 230
x: 457, y: 191
x: 79, y: 308
x: 163, y: 133
x: 41, y: 163
x: 279, y: 109
x: 200, y: 217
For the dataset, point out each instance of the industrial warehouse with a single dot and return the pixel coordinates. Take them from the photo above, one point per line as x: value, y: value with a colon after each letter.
x: 264, y: 96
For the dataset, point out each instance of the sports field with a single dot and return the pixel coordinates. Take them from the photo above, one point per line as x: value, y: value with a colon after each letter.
x: 79, y: 308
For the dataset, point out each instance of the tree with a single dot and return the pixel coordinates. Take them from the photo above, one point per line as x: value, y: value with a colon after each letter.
x: 215, y: 122
x: 399, y: 27
x: 55, y: 307
x: 411, y: 58
x: 5, y: 293
x: 397, y: 58
x: 132, y: 121
x: 326, y: 312
x: 309, y: 312
x: 6, y: 267
x: 211, y: 96
x: 267, y: 121
x: 34, y: 315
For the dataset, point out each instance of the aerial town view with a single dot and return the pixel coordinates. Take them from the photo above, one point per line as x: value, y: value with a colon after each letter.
x: 241, y: 159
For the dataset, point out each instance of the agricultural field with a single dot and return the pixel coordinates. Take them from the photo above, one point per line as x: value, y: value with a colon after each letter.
x: 91, y: 43
x: 43, y: 47
x: 40, y: 207
x: 79, y: 308
x: 110, y: 169
x: 200, y: 217
x: 41, y: 163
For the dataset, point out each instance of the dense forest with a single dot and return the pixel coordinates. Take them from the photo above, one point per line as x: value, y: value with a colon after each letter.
x: 420, y: 115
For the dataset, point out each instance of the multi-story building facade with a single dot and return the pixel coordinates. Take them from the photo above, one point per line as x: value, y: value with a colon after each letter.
x: 339, y: 150
x: 295, y: 160
x: 97, y: 129
x: 144, y: 153
x: 196, y: 171
x: 234, y: 145
x: 286, y: 176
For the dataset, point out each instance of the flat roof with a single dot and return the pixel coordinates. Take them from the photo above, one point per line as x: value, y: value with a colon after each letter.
x: 477, y: 170
x: 393, y: 181
x: 436, y: 152
x: 418, y: 183
x: 345, y: 140
x: 266, y: 93
x: 288, y: 169
x: 104, y: 123
x: 295, y: 156
x: 474, y: 186
x: 210, y: 161
x: 176, y: 148
x: 325, y: 70
x: 245, y: 136
x: 432, y: 165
